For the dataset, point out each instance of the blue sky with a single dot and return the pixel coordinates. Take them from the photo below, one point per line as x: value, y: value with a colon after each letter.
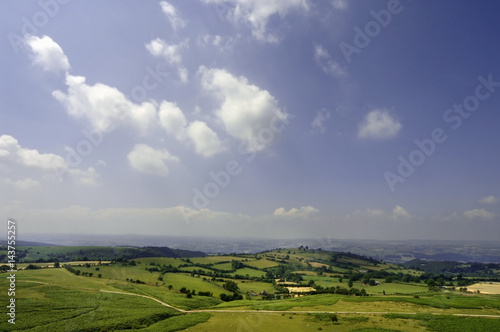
x: 297, y: 118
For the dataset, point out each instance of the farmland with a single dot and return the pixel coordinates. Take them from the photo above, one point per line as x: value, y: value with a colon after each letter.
x: 329, y: 290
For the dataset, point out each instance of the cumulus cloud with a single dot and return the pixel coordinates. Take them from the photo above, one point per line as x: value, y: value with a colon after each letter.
x: 13, y: 153
x: 148, y: 160
x: 14, y: 156
x: 245, y: 110
x: 303, y: 212
x: 105, y: 107
x: 171, y: 53
x: 257, y: 13
x: 489, y: 200
x: 478, y: 214
x: 319, y: 120
x: 173, y: 120
x: 326, y: 63
x: 172, y: 16
x: 399, y: 213
x: 47, y: 54
x: 205, y: 140
x: 378, y: 124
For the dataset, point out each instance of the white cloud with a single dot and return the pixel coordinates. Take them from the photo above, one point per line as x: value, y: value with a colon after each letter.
x: 171, y: 53
x: 399, y: 213
x: 489, y: 200
x: 327, y: 64
x: 172, y: 16
x: 105, y: 107
x: 47, y: 54
x: 15, y: 156
x: 319, y: 120
x: 13, y: 153
x: 339, y: 4
x: 205, y: 139
x: 303, y: 212
x: 257, y: 13
x: 222, y: 43
x: 174, y: 122
x: 478, y: 214
x: 146, y: 159
x: 25, y: 184
x: 246, y: 111
x: 378, y: 124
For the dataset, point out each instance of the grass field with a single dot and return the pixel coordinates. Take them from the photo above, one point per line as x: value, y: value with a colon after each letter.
x: 53, y: 308
x: 249, y: 272
x: 54, y: 299
x: 215, y: 259
x: 175, y: 262
x: 262, y: 263
x: 304, y: 322
x: 95, y: 311
x: 178, y: 281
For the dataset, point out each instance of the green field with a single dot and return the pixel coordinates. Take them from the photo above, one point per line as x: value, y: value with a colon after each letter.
x: 178, y: 281
x: 136, y: 295
x: 53, y: 308
x: 262, y: 263
x: 250, y: 272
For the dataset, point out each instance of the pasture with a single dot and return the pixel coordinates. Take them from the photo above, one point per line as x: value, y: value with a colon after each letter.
x: 147, y: 281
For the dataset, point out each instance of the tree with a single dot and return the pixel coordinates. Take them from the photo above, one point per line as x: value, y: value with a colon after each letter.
x: 334, y: 318
x: 431, y: 283
x: 350, y: 283
x: 231, y: 286
x: 56, y: 264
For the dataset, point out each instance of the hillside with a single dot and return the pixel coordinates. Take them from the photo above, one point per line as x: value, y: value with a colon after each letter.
x: 31, y: 254
x: 296, y: 288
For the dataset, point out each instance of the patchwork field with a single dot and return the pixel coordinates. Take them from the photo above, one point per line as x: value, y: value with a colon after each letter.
x: 246, y: 293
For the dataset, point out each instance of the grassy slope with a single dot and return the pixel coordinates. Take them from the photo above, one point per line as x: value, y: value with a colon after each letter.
x: 114, y: 278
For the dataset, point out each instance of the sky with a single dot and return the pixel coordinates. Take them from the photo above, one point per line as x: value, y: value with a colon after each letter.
x: 246, y: 118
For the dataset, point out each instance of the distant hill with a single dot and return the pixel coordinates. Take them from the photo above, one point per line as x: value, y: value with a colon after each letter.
x: 28, y: 244
x: 451, y: 267
x: 83, y: 253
